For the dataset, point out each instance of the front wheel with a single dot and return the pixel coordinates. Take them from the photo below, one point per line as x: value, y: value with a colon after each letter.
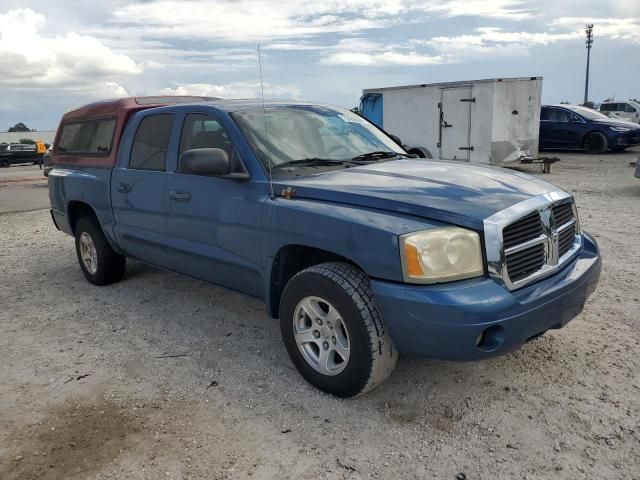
x: 4, y: 163
x: 100, y: 264
x: 333, y: 331
x: 595, y: 142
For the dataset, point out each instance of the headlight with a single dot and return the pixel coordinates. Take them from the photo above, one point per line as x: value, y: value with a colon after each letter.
x: 441, y: 255
x: 620, y: 129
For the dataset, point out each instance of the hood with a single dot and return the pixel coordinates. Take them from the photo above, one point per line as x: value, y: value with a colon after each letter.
x: 457, y: 193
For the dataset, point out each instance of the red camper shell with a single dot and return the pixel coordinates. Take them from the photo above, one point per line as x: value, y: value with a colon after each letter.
x: 90, y: 135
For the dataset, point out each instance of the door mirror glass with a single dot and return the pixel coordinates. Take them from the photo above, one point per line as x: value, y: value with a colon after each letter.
x: 212, y: 162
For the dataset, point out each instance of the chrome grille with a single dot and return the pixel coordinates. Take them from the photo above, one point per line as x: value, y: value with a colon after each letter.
x: 532, y: 239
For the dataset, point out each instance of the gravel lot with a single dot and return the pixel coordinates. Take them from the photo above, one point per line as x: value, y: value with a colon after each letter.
x: 161, y: 376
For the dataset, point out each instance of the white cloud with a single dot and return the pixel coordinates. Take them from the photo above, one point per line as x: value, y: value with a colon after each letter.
x: 382, y: 58
x: 627, y: 29
x: 233, y: 90
x: 503, y: 9
x: 245, y: 21
x: 29, y: 59
x: 109, y: 90
x: 492, y: 41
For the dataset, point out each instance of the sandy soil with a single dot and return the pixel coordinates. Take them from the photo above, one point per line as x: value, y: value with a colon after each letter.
x: 161, y: 376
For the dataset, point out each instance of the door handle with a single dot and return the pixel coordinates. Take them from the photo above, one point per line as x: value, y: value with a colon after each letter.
x: 180, y: 196
x: 123, y: 187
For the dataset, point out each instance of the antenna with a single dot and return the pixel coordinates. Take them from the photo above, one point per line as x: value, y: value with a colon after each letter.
x: 266, y: 130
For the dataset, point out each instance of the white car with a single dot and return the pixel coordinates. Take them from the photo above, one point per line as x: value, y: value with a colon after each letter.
x: 629, y: 110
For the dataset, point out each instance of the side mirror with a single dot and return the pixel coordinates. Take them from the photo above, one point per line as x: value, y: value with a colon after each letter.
x: 396, y: 139
x: 213, y: 162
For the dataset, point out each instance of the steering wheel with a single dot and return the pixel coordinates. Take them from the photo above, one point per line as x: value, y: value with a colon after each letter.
x: 337, y: 147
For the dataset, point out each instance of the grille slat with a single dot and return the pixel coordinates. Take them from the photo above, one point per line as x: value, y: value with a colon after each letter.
x: 562, y: 213
x: 527, y: 264
x: 525, y: 229
x: 513, y: 241
x: 524, y: 263
x: 565, y: 240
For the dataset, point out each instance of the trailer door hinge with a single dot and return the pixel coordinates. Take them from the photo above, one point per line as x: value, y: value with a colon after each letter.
x: 466, y: 148
x: 472, y: 100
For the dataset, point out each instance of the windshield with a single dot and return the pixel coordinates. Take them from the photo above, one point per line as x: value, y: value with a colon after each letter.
x: 285, y: 134
x: 588, y: 113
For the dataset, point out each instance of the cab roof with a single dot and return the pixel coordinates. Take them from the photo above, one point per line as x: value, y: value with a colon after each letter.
x: 111, y: 107
x: 107, y: 108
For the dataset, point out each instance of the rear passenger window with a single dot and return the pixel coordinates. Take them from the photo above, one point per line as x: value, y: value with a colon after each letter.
x: 544, y: 114
x: 87, y: 137
x: 150, y: 144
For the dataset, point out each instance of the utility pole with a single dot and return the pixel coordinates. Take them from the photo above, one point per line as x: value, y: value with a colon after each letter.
x: 589, y: 42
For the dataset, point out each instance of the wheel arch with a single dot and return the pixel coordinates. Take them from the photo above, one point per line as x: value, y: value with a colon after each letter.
x: 76, y: 210
x: 288, y: 261
x: 594, y: 130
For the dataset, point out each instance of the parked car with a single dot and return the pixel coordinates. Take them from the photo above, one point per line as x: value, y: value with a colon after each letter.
x: 13, y: 153
x: 361, y: 251
x: 629, y: 110
x: 579, y: 128
x: 46, y: 161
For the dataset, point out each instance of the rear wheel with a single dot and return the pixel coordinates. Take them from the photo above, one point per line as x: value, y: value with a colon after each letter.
x: 595, y: 142
x: 100, y: 264
x: 4, y: 163
x: 333, y: 331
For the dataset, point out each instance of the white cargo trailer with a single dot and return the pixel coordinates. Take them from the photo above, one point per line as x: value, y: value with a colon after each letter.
x: 488, y: 121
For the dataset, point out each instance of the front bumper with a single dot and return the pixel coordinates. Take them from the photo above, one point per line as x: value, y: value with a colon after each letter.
x: 477, y: 319
x: 627, y: 139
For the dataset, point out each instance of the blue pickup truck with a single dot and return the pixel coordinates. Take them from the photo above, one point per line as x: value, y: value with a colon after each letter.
x: 362, y: 251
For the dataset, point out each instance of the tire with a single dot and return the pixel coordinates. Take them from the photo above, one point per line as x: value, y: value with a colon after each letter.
x: 4, y: 163
x: 595, y: 142
x: 106, y: 265
x: 421, y: 152
x: 358, y: 325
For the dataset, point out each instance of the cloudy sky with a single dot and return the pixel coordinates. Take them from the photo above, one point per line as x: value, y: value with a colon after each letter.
x: 59, y: 54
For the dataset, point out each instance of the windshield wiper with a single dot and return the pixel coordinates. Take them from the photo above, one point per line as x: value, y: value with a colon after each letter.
x: 312, y: 162
x: 377, y: 155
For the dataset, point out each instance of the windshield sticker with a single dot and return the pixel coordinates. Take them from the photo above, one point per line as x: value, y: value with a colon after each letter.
x: 353, y: 118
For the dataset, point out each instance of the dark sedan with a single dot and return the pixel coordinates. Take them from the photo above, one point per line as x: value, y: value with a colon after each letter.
x: 579, y: 128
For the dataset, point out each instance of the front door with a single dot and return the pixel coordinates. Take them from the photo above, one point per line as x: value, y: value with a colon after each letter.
x: 214, y: 223
x: 455, y: 123
x: 139, y: 190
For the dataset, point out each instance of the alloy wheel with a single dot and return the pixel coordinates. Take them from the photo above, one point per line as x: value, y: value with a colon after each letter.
x: 321, y: 335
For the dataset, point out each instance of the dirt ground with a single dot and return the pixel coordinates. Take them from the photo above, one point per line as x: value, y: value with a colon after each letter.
x: 161, y: 376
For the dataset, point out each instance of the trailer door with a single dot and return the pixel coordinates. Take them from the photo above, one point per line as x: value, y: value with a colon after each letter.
x: 455, y: 123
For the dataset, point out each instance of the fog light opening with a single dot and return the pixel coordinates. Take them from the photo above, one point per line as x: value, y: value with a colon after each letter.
x: 490, y: 339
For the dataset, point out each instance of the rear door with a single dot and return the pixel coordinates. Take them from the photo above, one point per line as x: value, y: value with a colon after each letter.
x: 139, y: 188
x: 455, y: 123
